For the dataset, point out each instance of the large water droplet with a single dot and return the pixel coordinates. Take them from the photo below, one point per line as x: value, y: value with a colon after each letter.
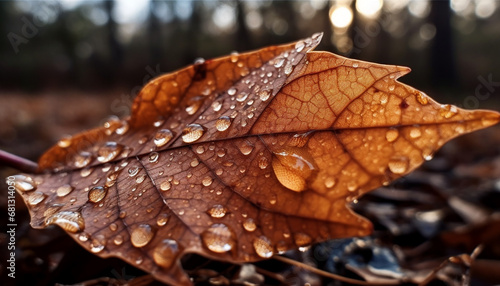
x: 65, y: 142
x: 165, y: 186
x: 24, y: 183
x: 242, y: 96
x: 162, y: 137
x: 299, y: 46
x: 123, y: 128
x: 35, y: 198
x: 118, y: 240
x: 86, y: 172
x: 232, y: 91
x: 245, y: 148
x: 293, y: 167
x: 153, y: 157
x: 98, y: 243
x: 398, y: 165
x: 217, y: 211
x: 132, y: 171
x: 391, y: 135
x: 263, y: 163
x: 207, y: 181
x: 329, y: 182
x: 64, y: 190
x: 192, y: 132
x: 162, y: 219
x: 264, y: 95
x: 82, y: 159
x: 109, y: 151
x: 302, y: 239
x: 194, y: 104
x: 165, y: 252
x: 141, y: 235
x: 97, y: 194
x: 219, y: 238
x: 67, y: 220
x: 288, y: 69
x: 223, y: 123
x: 262, y: 247
x: 279, y: 62
x: 415, y: 132
x: 249, y: 224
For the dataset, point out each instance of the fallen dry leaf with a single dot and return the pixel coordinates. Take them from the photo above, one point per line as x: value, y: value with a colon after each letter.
x: 240, y: 158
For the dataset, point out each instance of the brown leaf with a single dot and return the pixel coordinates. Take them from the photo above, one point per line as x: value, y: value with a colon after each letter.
x: 240, y: 158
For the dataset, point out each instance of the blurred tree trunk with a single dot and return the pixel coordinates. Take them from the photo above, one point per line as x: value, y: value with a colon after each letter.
x: 154, y: 35
x: 115, y: 49
x: 243, y: 40
x: 442, y: 53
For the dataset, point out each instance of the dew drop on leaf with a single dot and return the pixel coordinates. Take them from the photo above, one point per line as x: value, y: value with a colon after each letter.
x: 70, y: 221
x: 165, y: 186
x: 219, y: 238
x: 302, y: 239
x: 64, y: 190
x: 223, y: 123
x: 133, y: 171
x: 65, y: 142
x: 398, y: 165
x: 24, y: 183
x: 109, y: 151
x: 245, y: 148
x: 165, y: 252
x: 162, y: 137
x: 97, y: 194
x: 249, y: 224
x: 217, y: 211
x: 329, y: 182
x: 448, y: 111
x: 264, y: 95
x: 415, y: 132
x: 263, y: 163
x: 293, y: 167
x: 118, y: 240
x: 141, y: 235
x: 82, y: 159
x: 279, y: 62
x: 153, y: 157
x: 206, y: 181
x: 192, y: 132
x: 98, y: 243
x: 86, y: 172
x: 35, y: 198
x: 263, y: 247
x: 162, y: 219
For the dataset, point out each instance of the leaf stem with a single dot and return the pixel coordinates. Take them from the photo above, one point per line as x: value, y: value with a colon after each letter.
x: 331, y: 275
x: 20, y: 163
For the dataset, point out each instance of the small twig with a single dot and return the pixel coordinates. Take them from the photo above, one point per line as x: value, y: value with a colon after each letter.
x: 328, y: 274
x: 20, y: 163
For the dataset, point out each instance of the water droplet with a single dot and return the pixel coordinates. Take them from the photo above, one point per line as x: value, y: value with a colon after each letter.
x: 427, y: 154
x: 448, y: 111
x: 249, y: 224
x: 141, y: 235
x: 415, y: 132
x: 192, y: 132
x: 118, y: 240
x: 245, y: 148
x: 162, y: 219
x: 352, y: 186
x: 219, y: 238
x: 67, y: 220
x: 219, y: 172
x: 86, y: 172
x: 35, y: 198
x: 293, y: 167
x: 288, y: 69
x: 398, y: 165
x: 64, y: 190
x: 234, y: 57
x: 355, y: 65
x: 65, y: 142
x: 329, y: 182
x: 200, y: 149
x: 302, y: 239
x: 98, y: 243
x: 109, y: 151
x: 165, y: 186
x: 217, y: 211
x: 299, y: 46
x: 140, y: 179
x: 194, y: 104
x: 97, y: 194
x: 194, y: 162
x: 392, y: 87
x: 221, y: 152
x: 241, y: 96
x: 113, y: 227
x: 24, y: 183
x: 158, y: 122
x: 207, y: 181
x: 263, y: 163
x: 132, y: 171
x: 162, y: 137
x: 422, y: 98
x: 391, y: 135
x: 165, y: 252
x: 216, y: 106
x: 279, y: 62
x: 264, y: 95
x: 153, y: 157
x: 262, y: 247
x: 83, y: 236
x: 123, y: 128
x: 82, y: 159
x: 232, y: 91
x: 223, y: 123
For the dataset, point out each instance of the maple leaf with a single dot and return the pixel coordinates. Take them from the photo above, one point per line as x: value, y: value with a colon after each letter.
x: 240, y: 158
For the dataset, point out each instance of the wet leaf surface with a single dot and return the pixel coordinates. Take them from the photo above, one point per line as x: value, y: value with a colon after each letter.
x: 240, y: 158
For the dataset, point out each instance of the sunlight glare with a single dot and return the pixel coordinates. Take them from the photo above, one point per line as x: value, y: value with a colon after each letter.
x: 341, y: 16
x: 369, y: 8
